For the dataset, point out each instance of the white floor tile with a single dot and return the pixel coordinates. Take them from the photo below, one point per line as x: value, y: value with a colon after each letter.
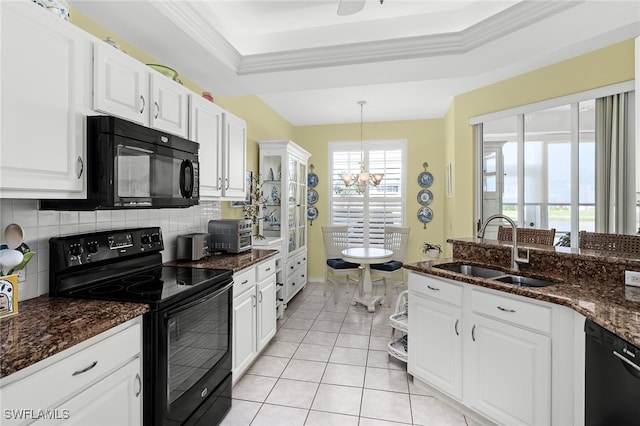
x: 308, y: 371
x: 270, y: 415
x: 298, y: 324
x: 381, y: 359
x: 332, y: 316
x: 268, y: 366
x: 377, y: 422
x: 358, y: 341
x: 328, y: 326
x: 304, y: 314
x: 320, y: 338
x: 320, y: 418
x: 349, y: 356
x: 378, y: 343
x: 292, y: 393
x: 313, y: 352
x: 417, y: 390
x: 386, y: 379
x: 356, y: 328
x: 338, y: 399
x: 281, y: 349
x: 342, y: 374
x: 253, y: 388
x: 358, y: 318
x: 241, y: 413
x: 429, y: 411
x: 385, y: 405
x: 290, y: 335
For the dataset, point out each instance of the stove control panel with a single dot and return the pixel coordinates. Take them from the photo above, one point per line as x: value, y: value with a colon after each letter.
x: 81, y: 249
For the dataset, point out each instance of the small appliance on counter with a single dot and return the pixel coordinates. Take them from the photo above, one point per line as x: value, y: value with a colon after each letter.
x: 230, y: 235
x: 193, y: 246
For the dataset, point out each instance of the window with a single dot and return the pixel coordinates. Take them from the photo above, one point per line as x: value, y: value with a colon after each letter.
x: 543, y: 164
x: 369, y: 212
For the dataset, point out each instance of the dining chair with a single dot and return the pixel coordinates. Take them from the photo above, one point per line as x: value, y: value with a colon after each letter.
x: 621, y: 243
x: 527, y: 235
x: 396, y: 239
x: 336, y: 239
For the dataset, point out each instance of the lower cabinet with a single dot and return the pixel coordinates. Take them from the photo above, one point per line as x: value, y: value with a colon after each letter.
x: 254, y: 314
x: 97, y: 382
x: 492, y: 351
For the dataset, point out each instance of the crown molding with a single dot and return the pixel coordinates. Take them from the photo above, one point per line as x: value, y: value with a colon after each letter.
x: 497, y: 26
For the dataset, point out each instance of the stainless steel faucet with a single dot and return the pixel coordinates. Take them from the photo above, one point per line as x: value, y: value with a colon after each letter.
x: 515, y: 259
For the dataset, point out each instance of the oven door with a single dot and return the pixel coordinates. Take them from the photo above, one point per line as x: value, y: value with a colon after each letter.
x: 147, y: 175
x: 193, y: 356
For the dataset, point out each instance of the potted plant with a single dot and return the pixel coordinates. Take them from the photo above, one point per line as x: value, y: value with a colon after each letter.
x: 430, y: 251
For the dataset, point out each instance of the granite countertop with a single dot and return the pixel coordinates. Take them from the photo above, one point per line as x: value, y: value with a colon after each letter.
x: 47, y: 325
x: 236, y: 262
x: 607, y: 302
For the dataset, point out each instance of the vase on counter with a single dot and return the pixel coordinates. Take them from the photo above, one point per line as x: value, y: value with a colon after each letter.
x: 432, y: 254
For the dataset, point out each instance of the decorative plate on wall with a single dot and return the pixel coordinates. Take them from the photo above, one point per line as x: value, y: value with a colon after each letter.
x: 425, y: 214
x: 312, y: 196
x: 312, y: 180
x: 425, y: 197
x: 425, y: 179
x: 312, y: 213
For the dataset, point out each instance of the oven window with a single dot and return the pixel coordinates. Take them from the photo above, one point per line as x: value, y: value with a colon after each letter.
x: 198, y: 338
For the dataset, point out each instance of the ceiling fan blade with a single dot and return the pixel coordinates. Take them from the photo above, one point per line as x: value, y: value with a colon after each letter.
x: 349, y: 7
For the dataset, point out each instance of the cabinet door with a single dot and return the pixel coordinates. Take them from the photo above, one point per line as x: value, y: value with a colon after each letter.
x: 44, y: 78
x: 115, y: 400
x: 266, y: 311
x: 244, y: 331
x: 509, y: 373
x: 435, y: 344
x: 170, y: 105
x: 205, y: 127
x: 120, y: 85
x: 235, y: 136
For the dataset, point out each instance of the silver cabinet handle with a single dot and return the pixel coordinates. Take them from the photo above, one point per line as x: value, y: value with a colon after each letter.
x: 80, y: 166
x: 144, y: 104
x: 455, y: 327
x: 433, y: 288
x: 253, y: 296
x: 268, y: 269
x: 157, y: 109
x: 473, y: 333
x: 626, y: 360
x: 506, y: 309
x: 84, y: 370
x: 219, y: 182
x: 139, y: 383
x: 260, y: 298
x: 227, y: 182
x: 244, y: 282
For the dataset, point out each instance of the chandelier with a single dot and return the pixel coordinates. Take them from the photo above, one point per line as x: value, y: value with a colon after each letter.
x: 364, y: 178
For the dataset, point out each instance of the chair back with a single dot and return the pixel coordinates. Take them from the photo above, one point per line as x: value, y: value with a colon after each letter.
x: 336, y: 239
x: 396, y: 239
x: 610, y: 242
x: 528, y: 235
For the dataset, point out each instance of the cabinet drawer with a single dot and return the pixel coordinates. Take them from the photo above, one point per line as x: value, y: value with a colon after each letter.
x: 243, y: 281
x: 510, y: 309
x: 265, y: 269
x: 435, y: 288
x: 74, y: 373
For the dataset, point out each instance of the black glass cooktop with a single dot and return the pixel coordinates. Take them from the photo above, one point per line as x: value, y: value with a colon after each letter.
x: 153, y: 286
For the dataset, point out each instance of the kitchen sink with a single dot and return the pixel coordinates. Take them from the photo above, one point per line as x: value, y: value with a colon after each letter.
x: 470, y: 270
x: 523, y: 281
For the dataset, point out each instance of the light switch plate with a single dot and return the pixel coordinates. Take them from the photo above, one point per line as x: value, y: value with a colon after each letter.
x: 632, y: 278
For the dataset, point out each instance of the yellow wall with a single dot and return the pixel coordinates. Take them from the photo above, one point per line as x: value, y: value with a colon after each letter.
x: 602, y: 67
x: 426, y: 142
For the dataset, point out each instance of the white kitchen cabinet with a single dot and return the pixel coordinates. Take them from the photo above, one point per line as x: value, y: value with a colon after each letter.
x: 254, y: 313
x: 509, y: 373
x: 120, y: 84
x: 235, y: 157
x: 98, y: 382
x: 44, y: 79
x: 435, y: 349
x: 126, y: 88
x: 206, y: 128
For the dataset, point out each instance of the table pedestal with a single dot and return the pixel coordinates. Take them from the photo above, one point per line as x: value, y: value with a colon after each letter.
x: 366, y: 256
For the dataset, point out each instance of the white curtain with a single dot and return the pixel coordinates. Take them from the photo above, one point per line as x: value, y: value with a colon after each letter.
x: 615, y: 186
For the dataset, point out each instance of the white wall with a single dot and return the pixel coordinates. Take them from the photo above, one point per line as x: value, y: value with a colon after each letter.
x: 40, y: 225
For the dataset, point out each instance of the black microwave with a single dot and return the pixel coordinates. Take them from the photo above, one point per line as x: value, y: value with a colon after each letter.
x: 132, y: 166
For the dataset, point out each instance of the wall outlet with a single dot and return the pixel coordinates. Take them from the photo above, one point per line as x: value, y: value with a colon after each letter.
x: 22, y: 275
x: 632, y: 278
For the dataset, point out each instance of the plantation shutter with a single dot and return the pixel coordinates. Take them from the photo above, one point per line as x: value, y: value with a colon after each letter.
x: 368, y: 213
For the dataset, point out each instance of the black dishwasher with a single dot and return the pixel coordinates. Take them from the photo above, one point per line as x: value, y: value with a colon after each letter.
x: 612, y: 378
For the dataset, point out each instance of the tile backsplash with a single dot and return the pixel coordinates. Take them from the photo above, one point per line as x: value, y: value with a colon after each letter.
x: 40, y: 225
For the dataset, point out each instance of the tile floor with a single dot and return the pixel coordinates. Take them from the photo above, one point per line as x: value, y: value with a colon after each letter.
x: 327, y: 365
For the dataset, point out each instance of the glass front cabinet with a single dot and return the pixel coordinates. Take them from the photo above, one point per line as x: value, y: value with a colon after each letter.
x: 283, y: 173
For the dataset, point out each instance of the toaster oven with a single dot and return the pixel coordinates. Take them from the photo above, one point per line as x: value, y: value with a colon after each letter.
x: 230, y: 235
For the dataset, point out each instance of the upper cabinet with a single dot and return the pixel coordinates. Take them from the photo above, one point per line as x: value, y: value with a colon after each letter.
x: 223, y: 146
x: 126, y: 88
x: 45, y: 81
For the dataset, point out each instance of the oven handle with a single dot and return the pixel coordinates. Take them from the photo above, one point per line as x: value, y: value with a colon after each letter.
x: 199, y: 300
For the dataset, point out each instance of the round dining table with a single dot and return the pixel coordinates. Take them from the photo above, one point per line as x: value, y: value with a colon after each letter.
x: 365, y: 256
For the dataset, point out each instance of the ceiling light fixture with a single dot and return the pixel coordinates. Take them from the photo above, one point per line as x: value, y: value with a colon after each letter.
x: 364, y: 178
